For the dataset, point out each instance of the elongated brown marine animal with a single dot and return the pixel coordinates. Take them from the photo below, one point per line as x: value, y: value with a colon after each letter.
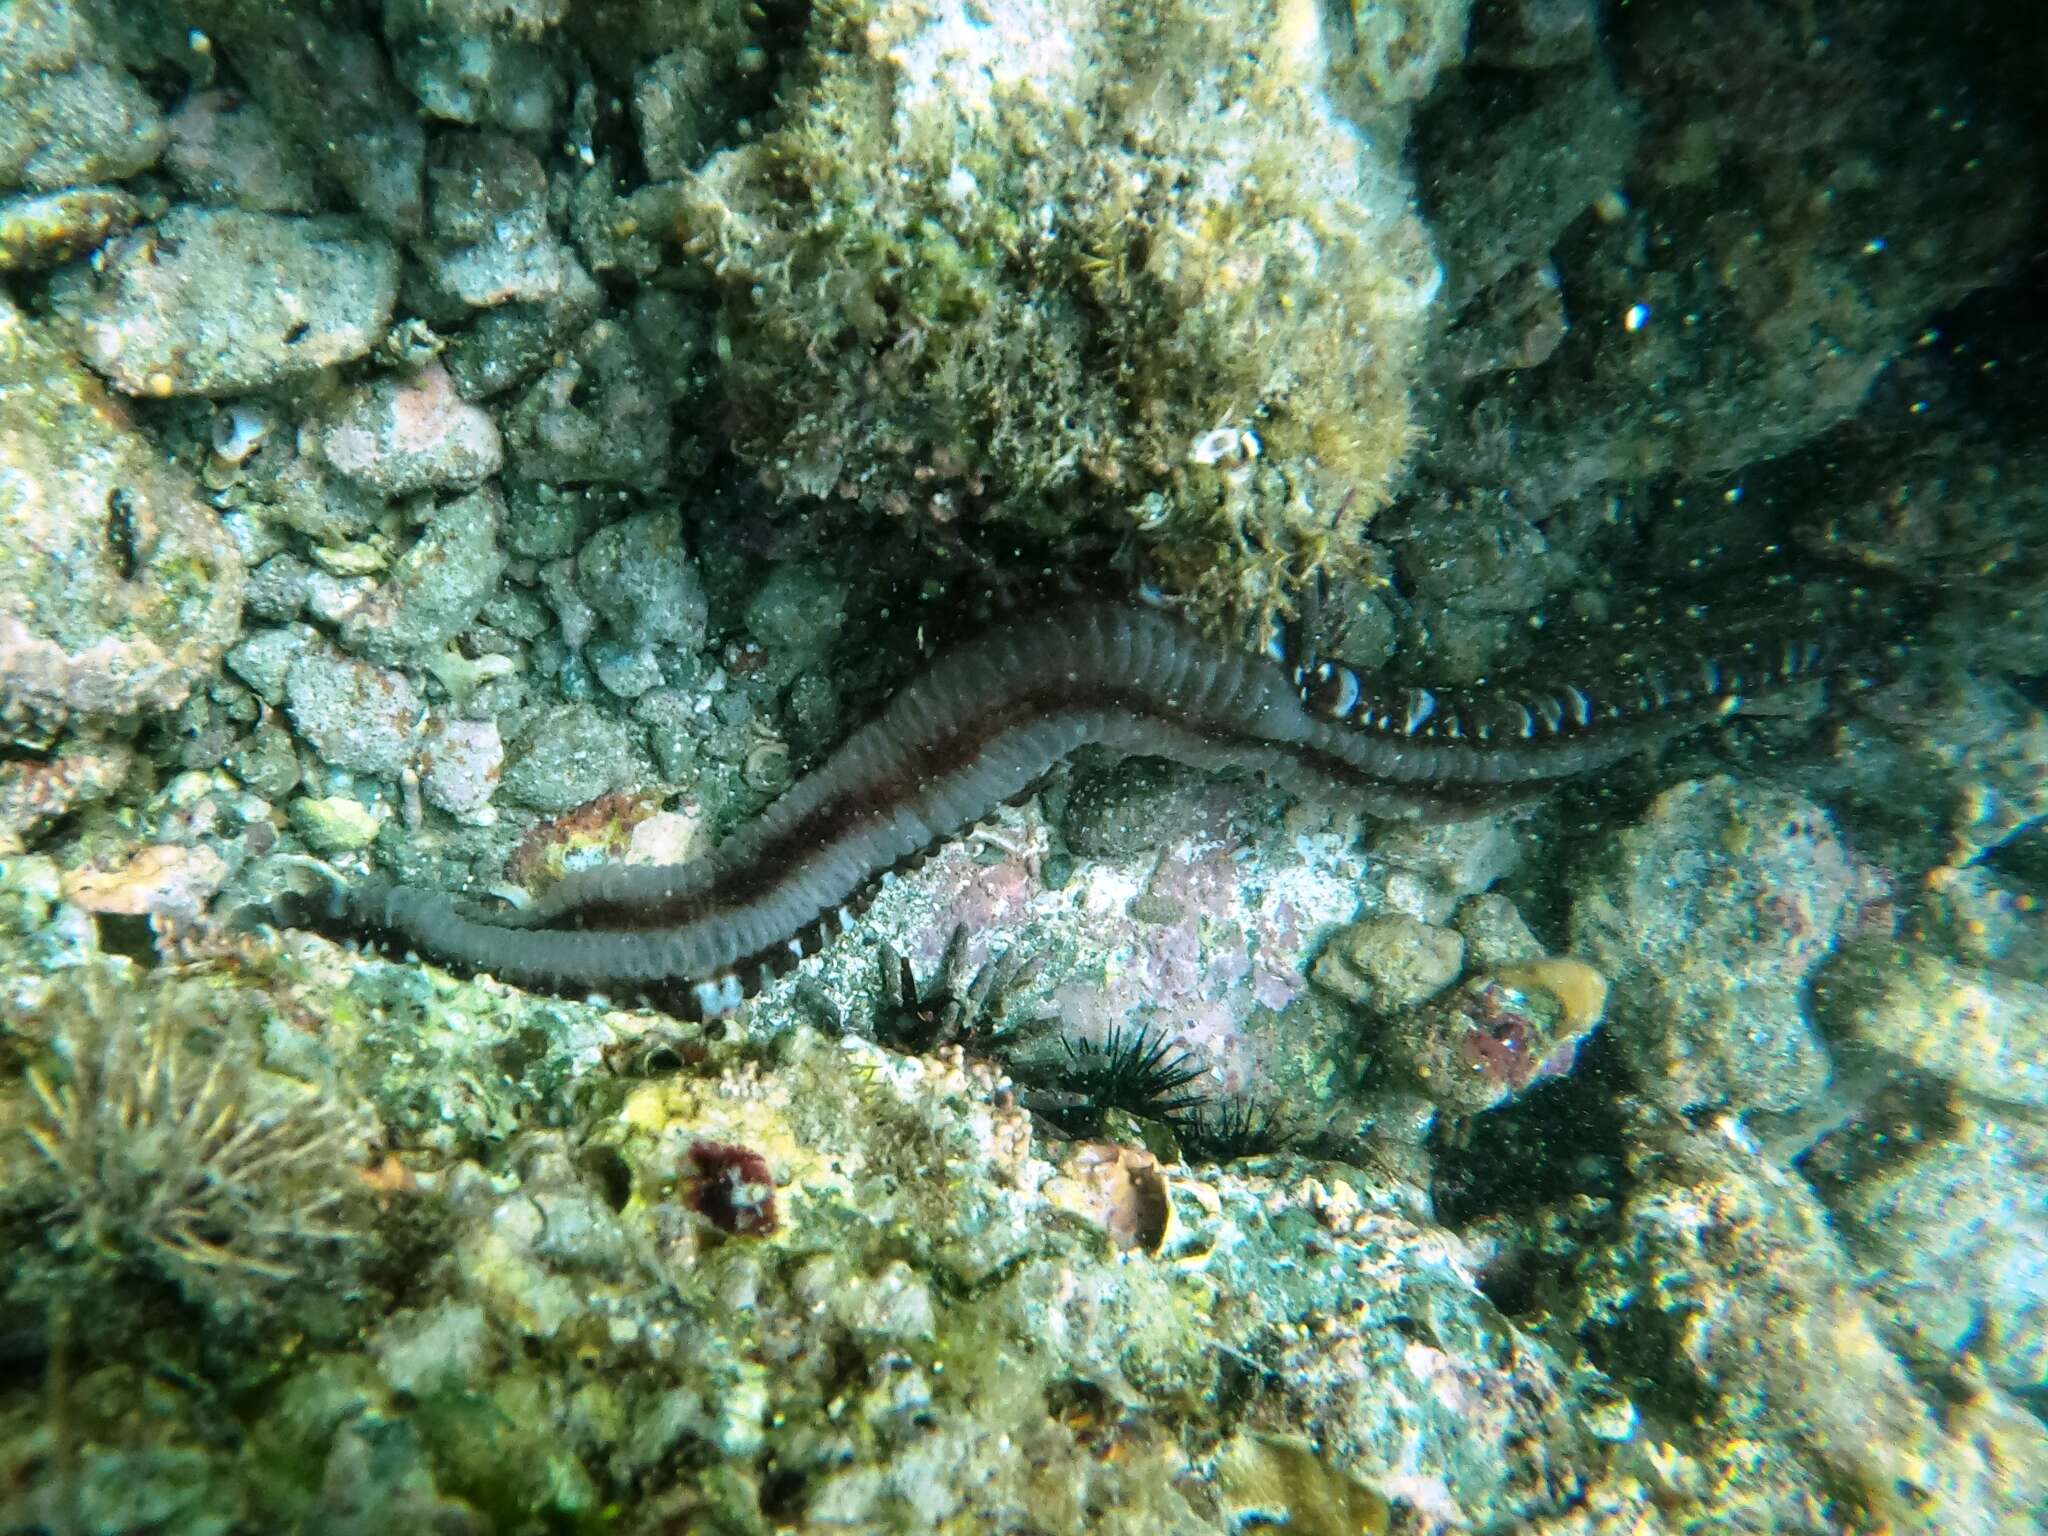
x: 987, y: 720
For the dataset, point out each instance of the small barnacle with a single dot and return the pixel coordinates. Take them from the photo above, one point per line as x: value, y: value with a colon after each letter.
x: 1121, y: 1189
x: 1226, y: 446
x: 663, y: 1049
x: 1152, y: 512
x: 731, y: 1187
x: 238, y: 431
x: 168, y: 1151
x: 766, y: 766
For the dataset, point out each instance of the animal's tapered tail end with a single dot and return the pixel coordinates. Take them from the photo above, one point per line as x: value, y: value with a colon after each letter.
x: 306, y: 893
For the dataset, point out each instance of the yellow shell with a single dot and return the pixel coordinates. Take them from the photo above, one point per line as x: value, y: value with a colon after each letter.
x: 1580, y: 990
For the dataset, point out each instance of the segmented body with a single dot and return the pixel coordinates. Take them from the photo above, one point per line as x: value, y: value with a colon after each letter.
x: 991, y: 717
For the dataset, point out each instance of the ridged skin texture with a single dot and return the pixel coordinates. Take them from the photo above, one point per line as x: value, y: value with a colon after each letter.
x: 984, y: 723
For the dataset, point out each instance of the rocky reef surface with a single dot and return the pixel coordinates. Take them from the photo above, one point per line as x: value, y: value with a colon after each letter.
x: 465, y: 441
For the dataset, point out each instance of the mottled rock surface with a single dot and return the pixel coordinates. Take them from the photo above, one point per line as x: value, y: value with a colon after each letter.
x: 358, y: 717
x: 437, y: 587
x: 1976, y: 1027
x: 69, y: 112
x: 211, y: 301
x: 122, y: 589
x: 400, y: 437
x: 1389, y: 963
x: 1709, y: 915
x: 1781, y: 1340
x: 1948, y: 1233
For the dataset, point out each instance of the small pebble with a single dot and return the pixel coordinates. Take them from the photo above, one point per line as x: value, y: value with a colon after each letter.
x: 1390, y: 963
x: 335, y: 824
x: 215, y: 301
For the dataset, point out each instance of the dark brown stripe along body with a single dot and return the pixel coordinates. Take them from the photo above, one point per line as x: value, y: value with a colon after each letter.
x: 986, y: 721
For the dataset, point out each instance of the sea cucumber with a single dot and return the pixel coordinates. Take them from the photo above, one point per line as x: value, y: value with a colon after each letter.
x: 984, y: 722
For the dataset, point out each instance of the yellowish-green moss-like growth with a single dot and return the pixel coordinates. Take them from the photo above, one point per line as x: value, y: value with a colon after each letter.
x: 1071, y: 265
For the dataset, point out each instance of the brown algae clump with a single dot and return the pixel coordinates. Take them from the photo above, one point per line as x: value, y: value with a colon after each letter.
x: 1132, y: 271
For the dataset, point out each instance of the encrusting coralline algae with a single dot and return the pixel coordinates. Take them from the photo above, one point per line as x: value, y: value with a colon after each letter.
x: 462, y: 443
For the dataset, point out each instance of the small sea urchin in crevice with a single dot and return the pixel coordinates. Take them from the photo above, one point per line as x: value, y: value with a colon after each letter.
x: 1137, y: 1071
x: 162, y: 1149
x: 955, y: 1006
x: 1232, y: 1130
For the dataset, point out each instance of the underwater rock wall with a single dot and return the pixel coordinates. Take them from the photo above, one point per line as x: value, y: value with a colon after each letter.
x: 464, y: 442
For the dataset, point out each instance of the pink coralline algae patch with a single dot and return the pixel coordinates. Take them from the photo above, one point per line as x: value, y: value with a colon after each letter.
x: 985, y: 899
x: 460, y: 761
x: 1500, y: 1034
x: 1507, y: 1042
x: 162, y: 878
x: 219, y: 141
x: 1202, y: 939
x: 413, y: 436
x: 1501, y: 1040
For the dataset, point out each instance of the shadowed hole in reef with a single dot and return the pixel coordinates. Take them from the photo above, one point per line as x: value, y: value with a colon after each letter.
x: 522, y: 1052
x: 24, y: 1346
x: 1086, y: 1410
x: 1993, y: 345
x: 122, y: 536
x: 611, y: 1173
x: 661, y: 1061
x: 1564, y: 1138
x: 1644, y: 1355
x: 2022, y: 861
x: 784, y: 1492
x: 763, y: 72
x: 127, y: 934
